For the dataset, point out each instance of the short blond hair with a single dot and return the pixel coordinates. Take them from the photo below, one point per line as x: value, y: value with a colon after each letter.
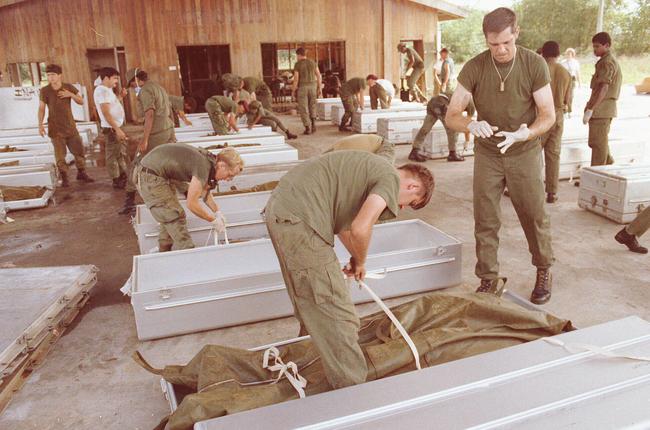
x: 231, y: 157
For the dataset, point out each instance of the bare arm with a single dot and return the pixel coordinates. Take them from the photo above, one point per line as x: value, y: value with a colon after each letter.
x: 78, y: 98
x: 319, y: 81
x: 194, y: 193
x: 254, y: 121
x: 232, y: 121
x: 41, y: 117
x: 209, y: 200
x: 545, y: 111
x: 446, y: 67
x: 183, y: 117
x: 454, y: 118
x: 360, y: 98
x: 296, y: 80
x: 361, y: 232
x: 597, y: 96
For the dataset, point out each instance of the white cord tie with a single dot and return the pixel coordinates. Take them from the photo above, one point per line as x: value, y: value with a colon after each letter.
x: 288, y: 370
x: 583, y: 347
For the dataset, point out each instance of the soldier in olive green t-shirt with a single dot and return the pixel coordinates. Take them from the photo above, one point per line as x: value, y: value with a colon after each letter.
x: 177, y: 162
x: 257, y: 114
x: 552, y: 139
x: 306, y: 87
x: 352, y: 99
x: 341, y: 193
x: 262, y: 91
x: 510, y: 88
x: 154, y: 103
x: 416, y: 66
x: 179, y: 110
x: 223, y: 112
x: 601, y: 107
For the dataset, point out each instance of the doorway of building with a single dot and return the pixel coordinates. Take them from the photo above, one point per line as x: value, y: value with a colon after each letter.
x: 110, y: 57
x: 418, y: 45
x: 201, y: 69
x: 278, y: 60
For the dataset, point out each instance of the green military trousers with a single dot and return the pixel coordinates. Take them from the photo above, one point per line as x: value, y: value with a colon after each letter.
x: 270, y: 120
x: 598, y: 142
x: 320, y: 295
x: 427, y: 125
x: 522, y: 173
x: 412, y: 82
x: 307, y: 103
x: 265, y: 97
x: 155, y: 140
x: 350, y: 105
x: 217, y: 117
x: 115, y: 152
x: 76, y: 147
x: 552, y: 143
x: 641, y: 223
x: 159, y: 195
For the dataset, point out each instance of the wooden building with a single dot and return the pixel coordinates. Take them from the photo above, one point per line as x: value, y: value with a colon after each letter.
x: 185, y: 44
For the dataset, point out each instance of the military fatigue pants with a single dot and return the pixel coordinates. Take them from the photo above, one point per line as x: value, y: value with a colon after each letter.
x: 270, y: 120
x: 412, y: 82
x: 522, y: 173
x: 641, y: 223
x: 62, y: 145
x: 350, y: 104
x: 160, y: 197
x: 217, y: 117
x: 319, y: 294
x: 307, y: 103
x: 115, y: 153
x: 427, y: 125
x: 552, y: 144
x: 155, y: 140
x: 598, y: 141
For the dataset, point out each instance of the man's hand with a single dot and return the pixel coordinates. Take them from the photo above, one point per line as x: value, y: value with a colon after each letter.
x: 65, y: 94
x: 587, y: 116
x: 142, y: 146
x: 41, y: 130
x: 123, y: 94
x: 120, y: 134
x: 512, y: 137
x: 188, y: 122
x: 219, y: 222
x: 352, y: 269
x: 481, y: 129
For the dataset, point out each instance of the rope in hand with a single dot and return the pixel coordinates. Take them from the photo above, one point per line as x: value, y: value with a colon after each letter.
x: 216, y: 237
x: 390, y: 315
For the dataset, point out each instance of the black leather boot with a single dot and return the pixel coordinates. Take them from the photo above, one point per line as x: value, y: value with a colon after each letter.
x: 543, y: 284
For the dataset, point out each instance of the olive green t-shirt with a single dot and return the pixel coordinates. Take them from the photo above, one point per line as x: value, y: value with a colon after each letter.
x: 560, y: 84
x: 153, y: 96
x: 413, y: 55
x: 178, y: 103
x: 608, y: 72
x: 226, y: 104
x: 231, y: 82
x: 328, y: 192
x: 306, y: 69
x: 254, y: 85
x: 353, y: 86
x: 178, y: 162
x: 512, y: 107
x: 60, y: 122
x: 368, y: 143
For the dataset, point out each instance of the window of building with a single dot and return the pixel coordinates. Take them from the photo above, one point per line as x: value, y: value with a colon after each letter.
x: 28, y: 74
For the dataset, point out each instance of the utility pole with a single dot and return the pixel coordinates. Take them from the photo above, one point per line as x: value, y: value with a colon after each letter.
x: 601, y: 12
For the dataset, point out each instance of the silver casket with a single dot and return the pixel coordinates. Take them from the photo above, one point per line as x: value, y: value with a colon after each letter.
x: 399, y: 130
x: 42, y: 178
x: 576, y: 154
x: 365, y: 121
x: 218, y: 286
x: 617, y: 192
x: 436, y: 145
x: 263, y: 139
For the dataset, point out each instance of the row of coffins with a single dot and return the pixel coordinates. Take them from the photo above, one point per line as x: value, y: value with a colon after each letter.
x: 26, y: 187
x: 37, y: 306
x: 324, y: 106
x: 365, y: 117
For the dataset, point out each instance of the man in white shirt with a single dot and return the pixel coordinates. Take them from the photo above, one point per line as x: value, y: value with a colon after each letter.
x: 573, y: 67
x: 111, y: 115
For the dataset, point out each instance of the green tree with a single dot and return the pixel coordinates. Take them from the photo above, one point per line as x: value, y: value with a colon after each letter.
x: 464, y: 37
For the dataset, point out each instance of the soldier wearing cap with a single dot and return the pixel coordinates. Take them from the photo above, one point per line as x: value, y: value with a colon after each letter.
x: 167, y: 164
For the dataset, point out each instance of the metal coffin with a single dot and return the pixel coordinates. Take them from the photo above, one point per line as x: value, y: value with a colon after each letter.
x: 436, y: 145
x: 43, y: 178
x: 575, y: 154
x: 31, y: 138
x: 365, y: 121
x: 82, y: 127
x: 324, y: 106
x: 338, y: 111
x: 269, y: 155
x: 617, y: 192
x: 536, y: 385
x: 195, y: 131
x: 242, y: 211
x: 217, y: 286
x: 399, y: 130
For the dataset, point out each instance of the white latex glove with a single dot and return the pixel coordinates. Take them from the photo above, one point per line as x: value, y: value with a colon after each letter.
x: 512, y: 137
x: 219, y: 222
x: 587, y: 116
x: 481, y: 129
